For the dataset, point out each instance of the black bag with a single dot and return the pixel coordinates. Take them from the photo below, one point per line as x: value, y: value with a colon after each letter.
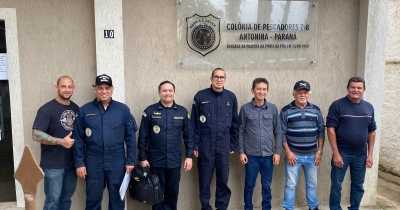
x: 149, y: 193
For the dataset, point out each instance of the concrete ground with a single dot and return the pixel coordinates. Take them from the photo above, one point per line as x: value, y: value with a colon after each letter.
x: 388, y: 192
x: 388, y: 196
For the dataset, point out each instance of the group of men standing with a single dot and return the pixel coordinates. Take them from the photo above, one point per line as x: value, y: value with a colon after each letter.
x: 96, y: 142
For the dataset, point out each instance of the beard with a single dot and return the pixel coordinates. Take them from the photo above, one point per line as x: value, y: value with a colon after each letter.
x: 63, y: 98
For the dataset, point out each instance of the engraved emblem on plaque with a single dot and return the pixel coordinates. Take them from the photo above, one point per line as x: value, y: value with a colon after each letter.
x: 203, y: 33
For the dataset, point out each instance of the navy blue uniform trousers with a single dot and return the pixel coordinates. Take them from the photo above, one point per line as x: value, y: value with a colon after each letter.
x: 214, y: 155
x: 102, y: 173
x: 169, y: 187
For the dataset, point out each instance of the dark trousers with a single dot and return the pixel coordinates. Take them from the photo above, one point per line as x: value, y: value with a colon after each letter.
x: 206, y: 165
x: 356, y: 163
x: 95, y: 188
x: 169, y: 187
x: 104, y: 171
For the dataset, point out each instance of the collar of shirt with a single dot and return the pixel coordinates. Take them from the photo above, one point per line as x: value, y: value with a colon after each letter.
x: 347, y: 96
x: 215, y: 92
x: 96, y: 102
x: 294, y: 106
x: 264, y: 106
x: 161, y: 106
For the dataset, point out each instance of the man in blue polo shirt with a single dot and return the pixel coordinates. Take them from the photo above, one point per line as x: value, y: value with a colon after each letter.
x: 351, y: 133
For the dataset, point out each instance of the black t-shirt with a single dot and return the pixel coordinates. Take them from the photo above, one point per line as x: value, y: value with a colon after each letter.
x: 57, y: 120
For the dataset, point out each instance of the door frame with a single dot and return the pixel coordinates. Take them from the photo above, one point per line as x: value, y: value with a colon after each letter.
x: 14, y: 80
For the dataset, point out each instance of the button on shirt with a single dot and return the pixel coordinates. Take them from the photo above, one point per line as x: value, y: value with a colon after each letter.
x: 258, y: 126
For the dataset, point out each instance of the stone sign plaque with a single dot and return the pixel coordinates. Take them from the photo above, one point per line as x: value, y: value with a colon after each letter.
x: 238, y: 34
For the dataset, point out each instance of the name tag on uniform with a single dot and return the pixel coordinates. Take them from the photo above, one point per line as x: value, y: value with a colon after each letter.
x: 178, y: 118
x: 92, y: 114
x: 156, y: 117
x: 205, y: 102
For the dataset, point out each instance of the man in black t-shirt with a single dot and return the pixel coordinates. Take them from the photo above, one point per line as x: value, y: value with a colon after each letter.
x: 52, y: 128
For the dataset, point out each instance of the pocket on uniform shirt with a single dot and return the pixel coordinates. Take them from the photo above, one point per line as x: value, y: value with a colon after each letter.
x: 204, y: 144
x: 178, y: 123
x: 119, y: 132
x: 158, y: 122
x: 205, y: 109
x: 228, y: 117
x: 90, y: 132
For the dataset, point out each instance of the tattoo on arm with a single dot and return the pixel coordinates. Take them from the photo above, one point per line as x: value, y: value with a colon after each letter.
x: 44, y: 138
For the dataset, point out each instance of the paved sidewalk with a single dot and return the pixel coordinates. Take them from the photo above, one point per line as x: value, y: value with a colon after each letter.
x: 388, y: 196
x: 388, y: 192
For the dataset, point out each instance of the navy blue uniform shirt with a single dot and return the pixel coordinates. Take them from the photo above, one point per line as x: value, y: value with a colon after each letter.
x: 160, y: 135
x: 104, y: 132
x: 215, y: 112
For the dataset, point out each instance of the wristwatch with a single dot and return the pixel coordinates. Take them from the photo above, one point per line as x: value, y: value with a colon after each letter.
x: 320, y: 152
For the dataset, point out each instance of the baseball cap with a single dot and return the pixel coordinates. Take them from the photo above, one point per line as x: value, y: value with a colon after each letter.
x: 302, y: 85
x: 139, y: 175
x: 104, y: 78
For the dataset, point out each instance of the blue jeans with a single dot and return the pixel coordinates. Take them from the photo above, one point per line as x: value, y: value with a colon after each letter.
x: 253, y: 167
x: 292, y: 175
x: 59, y: 186
x: 357, y: 176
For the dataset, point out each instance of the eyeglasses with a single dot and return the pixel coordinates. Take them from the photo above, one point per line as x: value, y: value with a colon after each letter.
x: 218, y: 77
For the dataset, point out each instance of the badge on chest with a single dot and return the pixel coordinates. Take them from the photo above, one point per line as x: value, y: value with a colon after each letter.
x: 156, y: 129
x: 88, y: 132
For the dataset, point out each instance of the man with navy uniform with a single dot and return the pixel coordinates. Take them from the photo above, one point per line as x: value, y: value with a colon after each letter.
x: 100, y: 131
x: 216, y: 126
x: 160, y: 137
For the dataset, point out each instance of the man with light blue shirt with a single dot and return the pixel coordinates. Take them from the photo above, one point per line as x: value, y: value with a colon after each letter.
x: 259, y: 123
x: 303, y: 136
